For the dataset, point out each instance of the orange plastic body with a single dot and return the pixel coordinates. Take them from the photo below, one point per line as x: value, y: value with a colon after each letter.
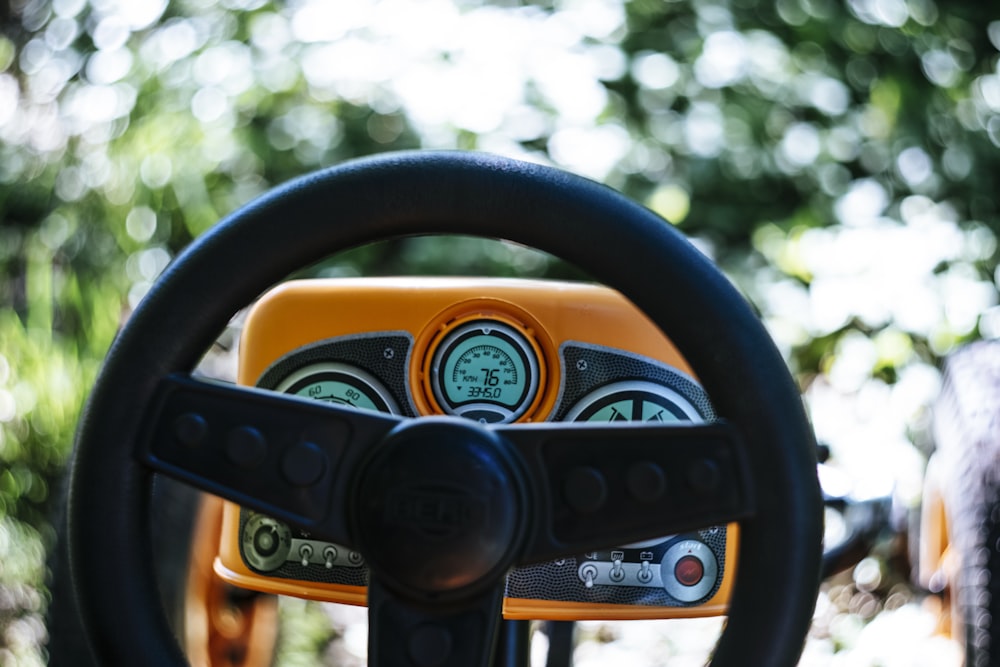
x: 301, y: 313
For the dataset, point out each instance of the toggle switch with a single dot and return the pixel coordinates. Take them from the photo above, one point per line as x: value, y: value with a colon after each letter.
x: 645, y: 573
x: 305, y: 553
x: 617, y: 574
x: 587, y: 574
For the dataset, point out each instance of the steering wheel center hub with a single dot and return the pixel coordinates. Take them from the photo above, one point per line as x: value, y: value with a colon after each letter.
x: 453, y: 494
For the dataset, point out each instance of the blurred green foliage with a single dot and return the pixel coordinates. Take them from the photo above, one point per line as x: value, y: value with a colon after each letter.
x: 817, y: 149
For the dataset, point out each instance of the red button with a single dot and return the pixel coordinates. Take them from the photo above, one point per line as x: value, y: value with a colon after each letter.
x: 689, y: 570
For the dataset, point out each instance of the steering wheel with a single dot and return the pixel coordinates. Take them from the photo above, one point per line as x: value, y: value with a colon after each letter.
x: 442, y: 508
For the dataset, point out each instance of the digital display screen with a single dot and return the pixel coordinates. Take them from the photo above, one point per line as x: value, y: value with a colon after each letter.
x: 484, y: 367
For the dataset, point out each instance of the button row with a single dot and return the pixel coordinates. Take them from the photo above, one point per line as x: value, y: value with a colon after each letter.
x: 327, y: 554
x: 302, y: 465
x: 585, y: 488
x: 618, y: 573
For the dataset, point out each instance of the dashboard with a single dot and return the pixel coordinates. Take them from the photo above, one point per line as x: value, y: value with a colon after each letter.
x: 494, y: 351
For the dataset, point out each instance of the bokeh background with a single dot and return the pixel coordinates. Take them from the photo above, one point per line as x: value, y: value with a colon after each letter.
x: 837, y: 158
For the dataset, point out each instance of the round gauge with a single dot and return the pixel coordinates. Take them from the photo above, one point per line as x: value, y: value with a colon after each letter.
x: 341, y: 384
x: 633, y: 400
x: 485, y: 370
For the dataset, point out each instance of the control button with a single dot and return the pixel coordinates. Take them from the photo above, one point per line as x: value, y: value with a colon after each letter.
x: 703, y: 477
x: 355, y: 558
x: 246, y: 447
x: 329, y: 555
x: 190, y: 429
x: 588, y: 572
x: 585, y: 489
x: 305, y: 553
x: 303, y: 464
x: 689, y: 570
x: 645, y: 481
x: 645, y: 573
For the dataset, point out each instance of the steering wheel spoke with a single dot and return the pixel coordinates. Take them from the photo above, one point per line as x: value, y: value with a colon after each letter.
x: 403, y: 633
x: 606, y: 485
x: 290, y: 458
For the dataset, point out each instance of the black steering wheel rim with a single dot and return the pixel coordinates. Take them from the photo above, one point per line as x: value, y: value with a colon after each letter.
x: 617, y: 241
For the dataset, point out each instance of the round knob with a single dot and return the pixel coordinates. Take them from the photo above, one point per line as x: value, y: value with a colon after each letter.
x: 265, y: 543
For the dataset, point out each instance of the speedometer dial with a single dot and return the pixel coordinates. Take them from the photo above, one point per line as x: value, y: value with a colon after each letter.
x: 485, y: 370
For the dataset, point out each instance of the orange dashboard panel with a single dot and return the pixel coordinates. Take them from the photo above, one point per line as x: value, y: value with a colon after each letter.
x: 495, y: 351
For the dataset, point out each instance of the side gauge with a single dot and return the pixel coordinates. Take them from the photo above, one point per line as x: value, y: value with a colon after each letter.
x: 339, y: 383
x: 485, y: 370
x: 633, y: 400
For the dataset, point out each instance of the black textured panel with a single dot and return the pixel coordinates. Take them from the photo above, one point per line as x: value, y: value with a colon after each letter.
x: 385, y: 355
x: 588, y: 367
x: 558, y: 581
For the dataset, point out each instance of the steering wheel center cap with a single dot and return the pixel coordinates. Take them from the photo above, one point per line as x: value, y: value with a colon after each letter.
x: 440, y: 509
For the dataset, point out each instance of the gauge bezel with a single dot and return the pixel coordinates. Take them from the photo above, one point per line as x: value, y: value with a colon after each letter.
x: 498, y: 336
x: 451, y: 341
x: 360, y: 377
x: 605, y: 392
